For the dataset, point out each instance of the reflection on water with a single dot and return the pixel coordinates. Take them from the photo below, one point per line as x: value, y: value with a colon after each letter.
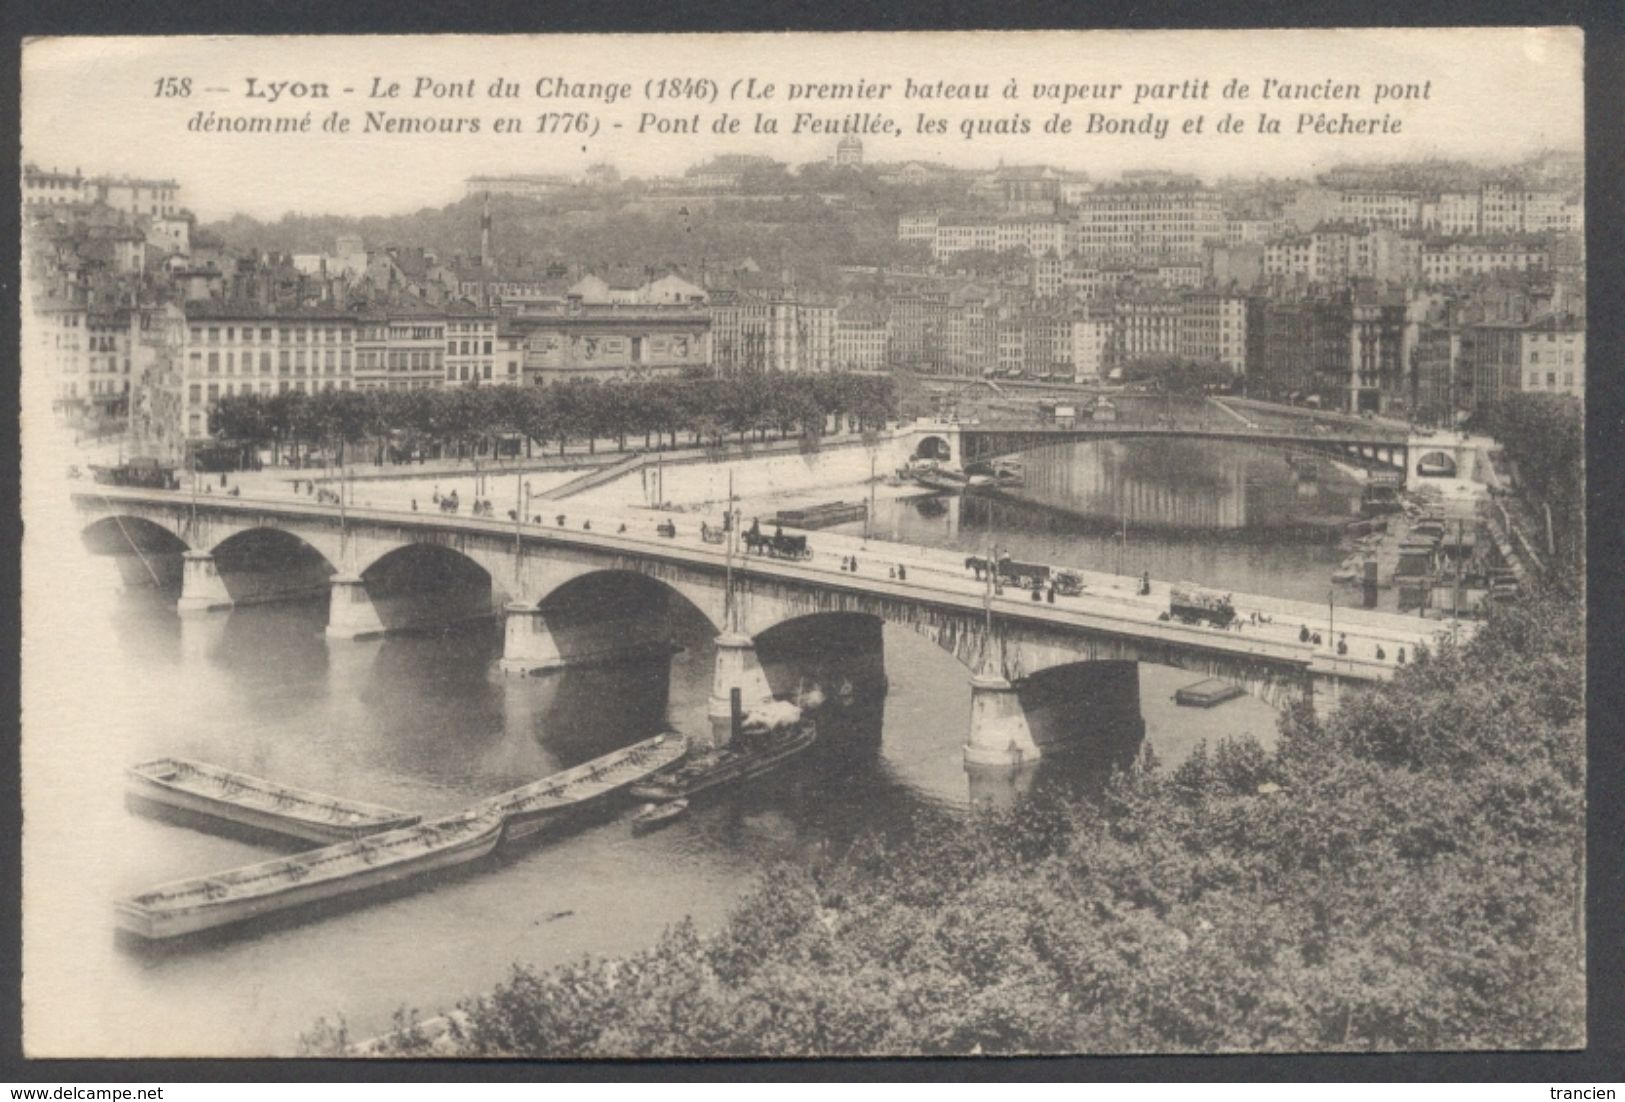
x: 1231, y: 516
x: 422, y: 722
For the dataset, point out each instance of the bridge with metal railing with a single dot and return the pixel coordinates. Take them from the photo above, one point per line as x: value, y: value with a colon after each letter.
x: 960, y: 443
x: 594, y: 587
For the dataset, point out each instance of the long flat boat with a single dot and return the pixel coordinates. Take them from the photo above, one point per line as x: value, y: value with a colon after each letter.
x: 740, y: 760
x: 1206, y: 694
x: 258, y: 804
x: 527, y: 810
x: 222, y: 899
x: 941, y: 481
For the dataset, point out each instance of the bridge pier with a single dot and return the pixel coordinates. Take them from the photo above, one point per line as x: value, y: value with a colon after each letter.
x: 999, y: 731
x: 535, y: 639
x: 737, y: 667
x: 350, y: 611
x: 1001, y: 756
x: 202, y: 587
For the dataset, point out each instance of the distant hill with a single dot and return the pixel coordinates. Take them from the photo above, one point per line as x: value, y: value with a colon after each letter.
x: 799, y: 232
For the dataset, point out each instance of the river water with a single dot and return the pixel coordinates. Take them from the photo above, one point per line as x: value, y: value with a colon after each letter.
x: 423, y: 723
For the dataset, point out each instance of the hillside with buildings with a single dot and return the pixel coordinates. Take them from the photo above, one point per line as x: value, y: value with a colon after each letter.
x: 1423, y: 291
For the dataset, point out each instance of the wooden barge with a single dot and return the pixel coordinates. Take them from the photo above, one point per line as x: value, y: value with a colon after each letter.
x: 826, y: 515
x: 531, y: 808
x: 1207, y: 693
x: 226, y: 898
x: 241, y: 800
x: 359, y: 865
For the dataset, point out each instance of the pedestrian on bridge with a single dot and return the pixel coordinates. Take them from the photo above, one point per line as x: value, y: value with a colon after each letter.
x: 1342, y: 644
x: 902, y: 572
x: 414, y: 505
x: 1381, y: 654
x: 1303, y: 634
x: 1399, y: 658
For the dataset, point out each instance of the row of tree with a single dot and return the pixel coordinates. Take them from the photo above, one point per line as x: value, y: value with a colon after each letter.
x: 1406, y: 874
x: 473, y: 420
x: 1544, y: 437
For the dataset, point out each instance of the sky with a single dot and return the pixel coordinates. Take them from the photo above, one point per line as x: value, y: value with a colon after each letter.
x: 1496, y: 95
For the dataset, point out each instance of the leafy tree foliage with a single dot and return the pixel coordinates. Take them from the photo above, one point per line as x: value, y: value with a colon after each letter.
x: 1404, y: 874
x: 469, y: 419
x: 1544, y: 435
x: 1177, y: 375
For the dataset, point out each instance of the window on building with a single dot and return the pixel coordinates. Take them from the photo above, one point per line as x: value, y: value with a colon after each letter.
x: 214, y: 363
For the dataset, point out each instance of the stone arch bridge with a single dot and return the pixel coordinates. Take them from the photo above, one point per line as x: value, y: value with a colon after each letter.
x: 955, y: 444
x: 571, y: 595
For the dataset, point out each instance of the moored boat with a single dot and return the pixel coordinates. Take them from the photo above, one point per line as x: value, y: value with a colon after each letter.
x: 655, y: 816
x: 764, y: 739
x: 528, y: 809
x: 1206, y: 693
x: 225, y: 898
x: 944, y: 481
x: 242, y: 800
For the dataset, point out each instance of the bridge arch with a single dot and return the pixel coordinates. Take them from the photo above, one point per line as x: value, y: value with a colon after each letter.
x: 429, y: 585
x: 933, y: 446
x: 268, y: 563
x: 1436, y: 464
x: 834, y: 651
x: 616, y: 593
x: 123, y: 534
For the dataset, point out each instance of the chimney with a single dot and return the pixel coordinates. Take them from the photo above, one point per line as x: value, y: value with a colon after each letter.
x: 486, y: 261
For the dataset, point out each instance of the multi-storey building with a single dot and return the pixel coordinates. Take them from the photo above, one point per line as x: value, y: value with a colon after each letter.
x: 1148, y: 325
x: 970, y: 331
x: 1453, y: 214
x: 137, y: 196
x: 1553, y: 351
x: 609, y: 344
x: 915, y: 330
x: 1400, y: 210
x: 244, y: 347
x: 1447, y: 260
x: 961, y: 234
x: 1300, y: 342
x: 61, y: 346
x: 1376, y: 375
x: 1091, y: 332
x: 816, y: 319
x: 860, y: 338
x: 1213, y: 327
x: 48, y: 187
x: 415, y: 355
x: 1433, y: 357
x: 1176, y: 217
x: 521, y: 186
x: 919, y: 226
x: 471, y: 353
